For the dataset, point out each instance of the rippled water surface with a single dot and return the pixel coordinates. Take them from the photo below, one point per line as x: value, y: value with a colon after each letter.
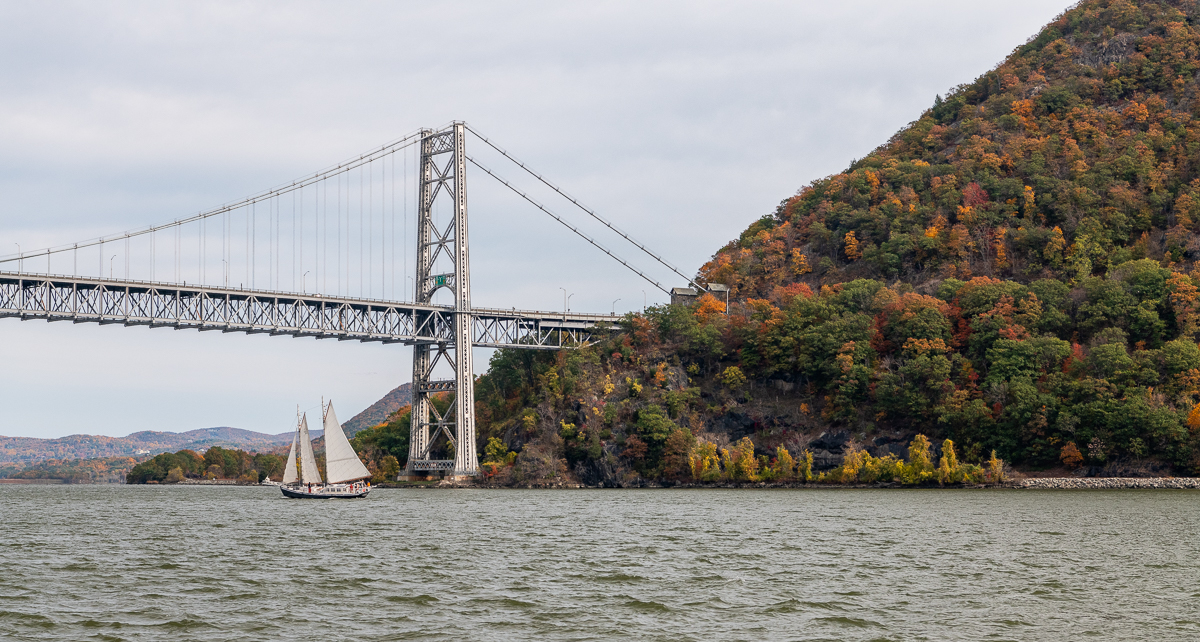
x: 231, y: 563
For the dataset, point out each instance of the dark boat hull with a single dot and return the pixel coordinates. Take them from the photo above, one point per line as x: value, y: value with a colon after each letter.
x: 303, y: 493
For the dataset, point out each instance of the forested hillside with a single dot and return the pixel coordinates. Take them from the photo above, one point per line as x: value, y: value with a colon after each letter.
x: 1015, y: 271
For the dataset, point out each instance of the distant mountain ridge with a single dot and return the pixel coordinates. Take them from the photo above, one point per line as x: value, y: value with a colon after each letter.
x: 31, y: 450
x: 379, y: 411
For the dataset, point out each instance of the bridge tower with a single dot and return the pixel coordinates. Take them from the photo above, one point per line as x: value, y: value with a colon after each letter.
x: 442, y: 174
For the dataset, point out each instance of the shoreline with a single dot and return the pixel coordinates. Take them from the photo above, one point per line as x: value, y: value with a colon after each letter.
x: 1030, y: 483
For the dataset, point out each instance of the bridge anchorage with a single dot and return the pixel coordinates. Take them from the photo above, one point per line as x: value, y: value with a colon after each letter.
x: 442, y: 440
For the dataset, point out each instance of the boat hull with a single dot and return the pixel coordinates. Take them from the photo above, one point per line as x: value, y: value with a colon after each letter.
x: 303, y: 493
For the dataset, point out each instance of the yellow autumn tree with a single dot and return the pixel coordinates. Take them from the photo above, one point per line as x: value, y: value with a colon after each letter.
x: 948, y: 471
x: 852, y: 462
x: 1055, y: 248
x: 852, y: 250
x: 784, y: 464
x: 800, y: 264
x: 743, y: 464
x: 939, y: 224
x: 1184, y: 297
x: 1029, y: 204
x: 994, y: 472
x: 1070, y: 455
x: 920, y: 466
x: 705, y: 462
x: 999, y: 248
x: 1193, y: 419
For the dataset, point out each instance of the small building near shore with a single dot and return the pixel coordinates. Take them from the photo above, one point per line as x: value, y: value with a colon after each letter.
x: 683, y: 296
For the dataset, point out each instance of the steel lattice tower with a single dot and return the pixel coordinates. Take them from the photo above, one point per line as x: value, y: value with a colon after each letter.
x: 442, y: 173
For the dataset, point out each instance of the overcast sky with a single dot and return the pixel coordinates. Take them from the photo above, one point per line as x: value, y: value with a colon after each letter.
x: 680, y: 121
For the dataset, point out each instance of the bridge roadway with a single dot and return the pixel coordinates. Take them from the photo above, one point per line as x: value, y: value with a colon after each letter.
x: 171, y: 305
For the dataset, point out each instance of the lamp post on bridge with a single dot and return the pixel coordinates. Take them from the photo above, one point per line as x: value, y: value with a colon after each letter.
x: 304, y: 282
x: 614, y: 307
x: 110, y: 268
x: 20, y: 258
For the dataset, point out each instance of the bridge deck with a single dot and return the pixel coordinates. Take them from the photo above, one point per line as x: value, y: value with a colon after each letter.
x: 182, y: 306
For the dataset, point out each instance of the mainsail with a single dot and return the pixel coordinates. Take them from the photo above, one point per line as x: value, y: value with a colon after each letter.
x: 289, y: 467
x: 341, y: 462
x: 308, y: 463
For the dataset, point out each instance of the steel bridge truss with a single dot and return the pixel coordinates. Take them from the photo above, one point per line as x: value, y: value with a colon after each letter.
x: 162, y: 305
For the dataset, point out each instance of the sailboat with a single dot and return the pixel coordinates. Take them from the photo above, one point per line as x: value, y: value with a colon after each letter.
x: 345, y: 472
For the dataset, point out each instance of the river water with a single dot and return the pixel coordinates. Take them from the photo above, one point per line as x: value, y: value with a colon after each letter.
x: 241, y: 563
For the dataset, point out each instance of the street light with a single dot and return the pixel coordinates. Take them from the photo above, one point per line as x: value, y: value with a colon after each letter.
x: 564, y: 299
x: 20, y: 259
x: 569, y: 302
x: 614, y: 307
x: 643, y: 300
x: 110, y: 266
x: 304, y: 282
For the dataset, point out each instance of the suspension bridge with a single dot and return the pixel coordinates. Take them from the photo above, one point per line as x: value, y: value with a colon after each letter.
x: 320, y: 257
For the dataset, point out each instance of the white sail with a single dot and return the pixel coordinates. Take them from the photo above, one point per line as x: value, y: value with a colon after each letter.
x: 308, y: 462
x: 341, y: 462
x: 289, y: 466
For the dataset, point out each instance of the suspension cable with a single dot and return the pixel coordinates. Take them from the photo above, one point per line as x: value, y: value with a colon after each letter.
x: 568, y: 225
x: 338, y: 169
x: 590, y: 212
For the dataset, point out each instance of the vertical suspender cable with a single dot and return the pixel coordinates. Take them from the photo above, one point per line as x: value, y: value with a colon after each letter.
x: 383, y: 228
x: 247, y: 257
x: 339, y: 236
x: 370, y: 231
x: 253, y: 244
x: 301, y: 233
x: 393, y: 227
x: 293, y: 241
x: 316, y: 235
x: 325, y: 237
x: 361, y: 235
x: 404, y: 252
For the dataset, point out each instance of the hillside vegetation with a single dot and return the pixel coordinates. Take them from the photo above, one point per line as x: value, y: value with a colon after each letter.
x: 1014, y: 271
